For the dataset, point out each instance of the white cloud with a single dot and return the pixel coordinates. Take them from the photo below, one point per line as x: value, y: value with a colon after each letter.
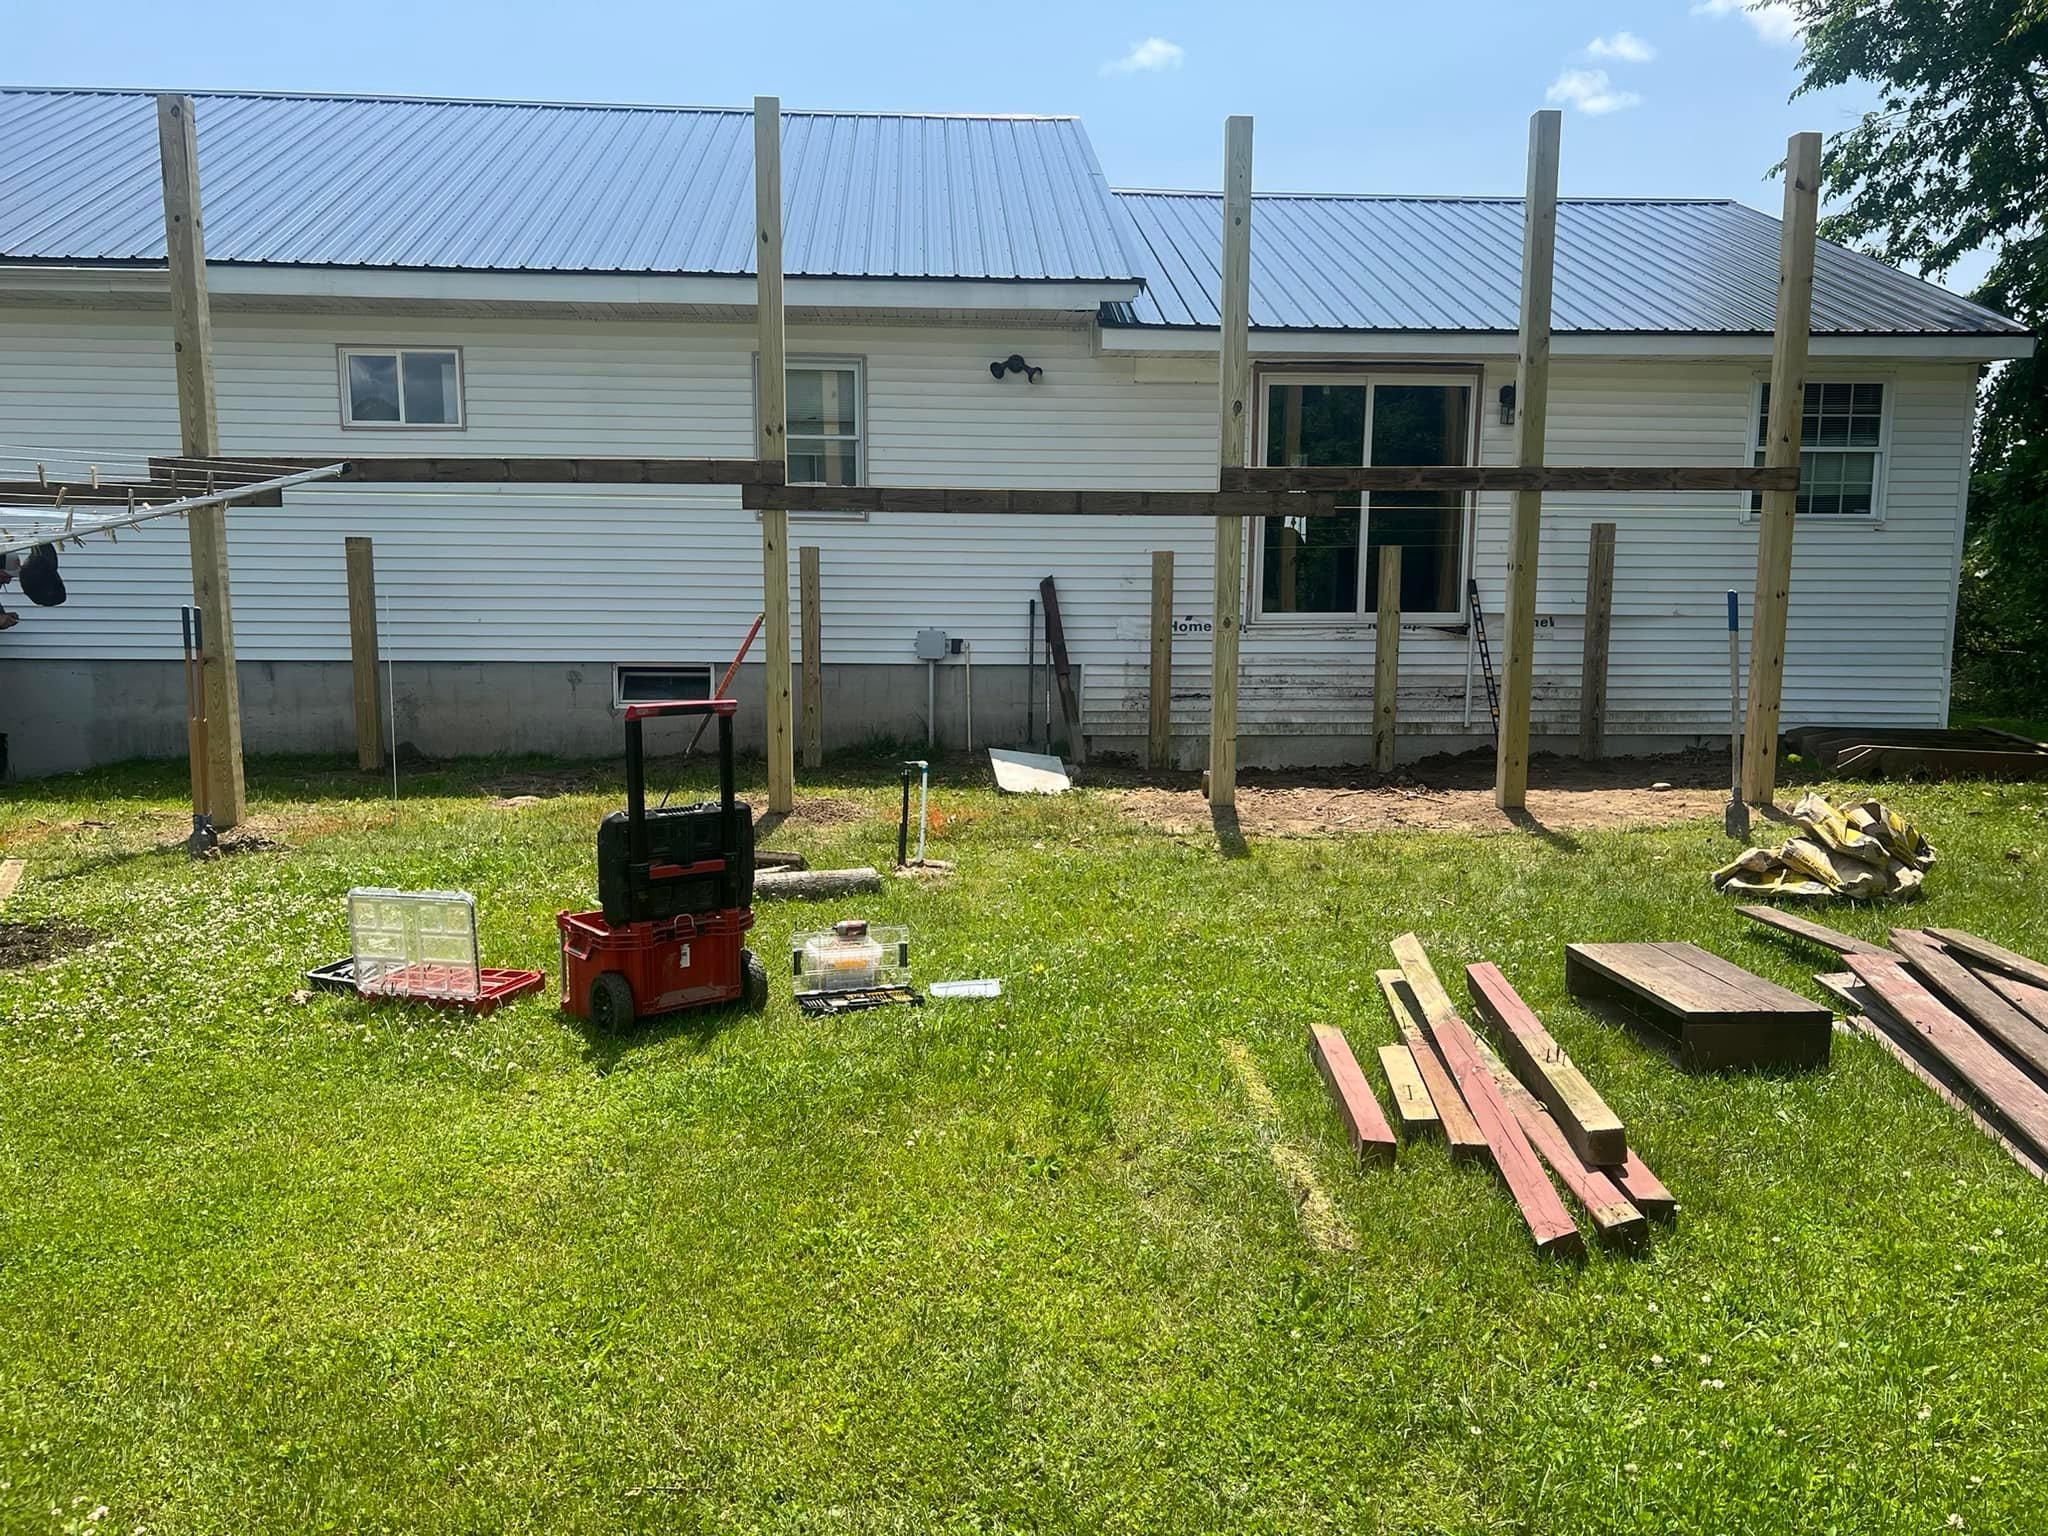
x: 1775, y: 22
x: 1149, y: 57
x: 1590, y: 91
x: 1625, y: 46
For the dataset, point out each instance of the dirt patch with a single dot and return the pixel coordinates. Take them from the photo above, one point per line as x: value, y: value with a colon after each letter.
x: 1453, y: 794
x: 32, y: 943
x: 513, y: 802
x: 528, y: 787
x: 827, y: 810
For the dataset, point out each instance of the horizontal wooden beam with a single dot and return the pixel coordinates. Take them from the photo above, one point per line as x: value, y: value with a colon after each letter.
x: 965, y: 502
x: 434, y: 470
x: 1513, y: 477
x: 115, y: 493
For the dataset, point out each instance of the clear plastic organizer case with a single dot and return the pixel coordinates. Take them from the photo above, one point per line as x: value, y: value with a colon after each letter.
x: 850, y: 956
x: 414, y: 943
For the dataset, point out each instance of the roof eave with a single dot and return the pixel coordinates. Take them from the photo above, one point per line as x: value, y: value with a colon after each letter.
x: 78, y: 281
x: 1945, y: 346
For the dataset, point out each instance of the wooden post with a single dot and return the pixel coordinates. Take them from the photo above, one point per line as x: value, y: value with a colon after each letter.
x: 1781, y: 448
x: 810, y: 621
x: 772, y: 443
x: 199, y: 437
x: 362, y: 652
x: 1599, y: 625
x: 1159, y: 741
x: 1532, y: 408
x: 1386, y: 660
x: 1234, y: 406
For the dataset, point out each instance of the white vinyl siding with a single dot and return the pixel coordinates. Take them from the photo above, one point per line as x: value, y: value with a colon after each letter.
x: 599, y: 575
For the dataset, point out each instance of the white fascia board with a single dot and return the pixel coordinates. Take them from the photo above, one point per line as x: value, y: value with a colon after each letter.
x: 227, y: 280
x: 1462, y: 344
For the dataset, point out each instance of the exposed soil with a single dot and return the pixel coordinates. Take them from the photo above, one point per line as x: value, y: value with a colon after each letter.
x: 1451, y: 794
x: 827, y: 810
x: 32, y: 943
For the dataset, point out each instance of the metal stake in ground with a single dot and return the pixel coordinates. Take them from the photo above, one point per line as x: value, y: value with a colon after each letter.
x: 203, y: 839
x: 1736, y: 818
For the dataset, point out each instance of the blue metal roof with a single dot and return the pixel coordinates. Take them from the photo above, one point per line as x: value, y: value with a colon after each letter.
x: 361, y: 181
x: 1454, y: 264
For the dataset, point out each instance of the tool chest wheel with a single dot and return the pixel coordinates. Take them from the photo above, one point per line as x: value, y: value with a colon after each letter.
x: 753, y: 981
x: 611, y: 1001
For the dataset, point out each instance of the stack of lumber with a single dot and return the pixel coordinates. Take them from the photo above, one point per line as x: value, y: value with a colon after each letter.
x: 1519, y: 1109
x: 1964, y: 1015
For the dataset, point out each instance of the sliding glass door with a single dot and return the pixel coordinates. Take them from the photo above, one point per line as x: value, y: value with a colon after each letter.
x: 1328, y: 567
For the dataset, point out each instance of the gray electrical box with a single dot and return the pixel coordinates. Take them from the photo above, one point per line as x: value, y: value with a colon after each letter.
x: 931, y: 645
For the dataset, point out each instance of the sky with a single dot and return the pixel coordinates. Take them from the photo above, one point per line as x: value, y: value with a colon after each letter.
x: 1661, y: 97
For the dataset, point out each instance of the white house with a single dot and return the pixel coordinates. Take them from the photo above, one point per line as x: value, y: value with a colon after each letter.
x: 480, y: 278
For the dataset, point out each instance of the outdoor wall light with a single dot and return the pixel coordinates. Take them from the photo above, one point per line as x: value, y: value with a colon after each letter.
x: 1507, y: 405
x: 1015, y: 363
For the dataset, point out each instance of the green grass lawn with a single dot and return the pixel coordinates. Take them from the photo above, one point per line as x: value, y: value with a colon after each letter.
x: 281, y: 1264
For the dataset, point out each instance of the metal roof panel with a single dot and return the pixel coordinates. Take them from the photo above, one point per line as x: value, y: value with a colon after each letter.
x: 1360, y: 263
x: 539, y: 187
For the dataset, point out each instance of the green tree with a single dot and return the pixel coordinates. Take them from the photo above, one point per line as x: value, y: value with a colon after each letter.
x: 1953, y: 160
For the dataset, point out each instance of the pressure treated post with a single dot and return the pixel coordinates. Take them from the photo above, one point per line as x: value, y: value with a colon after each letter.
x: 1159, y: 739
x: 1532, y: 408
x: 809, y: 620
x: 199, y: 437
x: 1599, y: 625
x: 1386, y: 660
x: 1234, y: 389
x: 1781, y: 451
x: 772, y: 443
x: 360, y: 559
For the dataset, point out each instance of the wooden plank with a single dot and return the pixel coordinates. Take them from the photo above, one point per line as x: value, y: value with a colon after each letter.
x: 810, y: 622
x: 1997, y: 956
x: 1234, y: 405
x: 1532, y: 411
x: 199, y: 435
x: 1812, y: 932
x: 1644, y: 1190
x: 1593, y: 651
x: 1752, y: 988
x: 1616, y: 1221
x: 359, y: 556
x: 1371, y: 1137
x: 2017, y: 1101
x: 1594, y: 1131
x: 1910, y: 1052
x: 1580, y: 479
x: 1953, y: 982
x: 1781, y: 451
x: 2025, y: 996
x: 110, y: 495
x: 1062, y: 667
x: 1549, y: 1223
x: 187, y: 474
x: 974, y: 501
x: 772, y: 443
x: 1159, y: 723
x: 1460, y: 1130
x: 1413, y: 1108
x: 1386, y: 661
x: 11, y: 871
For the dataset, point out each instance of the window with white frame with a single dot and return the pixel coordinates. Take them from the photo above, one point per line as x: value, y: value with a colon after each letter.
x: 401, y: 387
x: 1328, y: 567
x: 1841, y: 447
x: 824, y: 442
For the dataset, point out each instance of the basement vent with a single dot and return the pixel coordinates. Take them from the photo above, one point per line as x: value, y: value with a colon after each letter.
x: 653, y: 684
